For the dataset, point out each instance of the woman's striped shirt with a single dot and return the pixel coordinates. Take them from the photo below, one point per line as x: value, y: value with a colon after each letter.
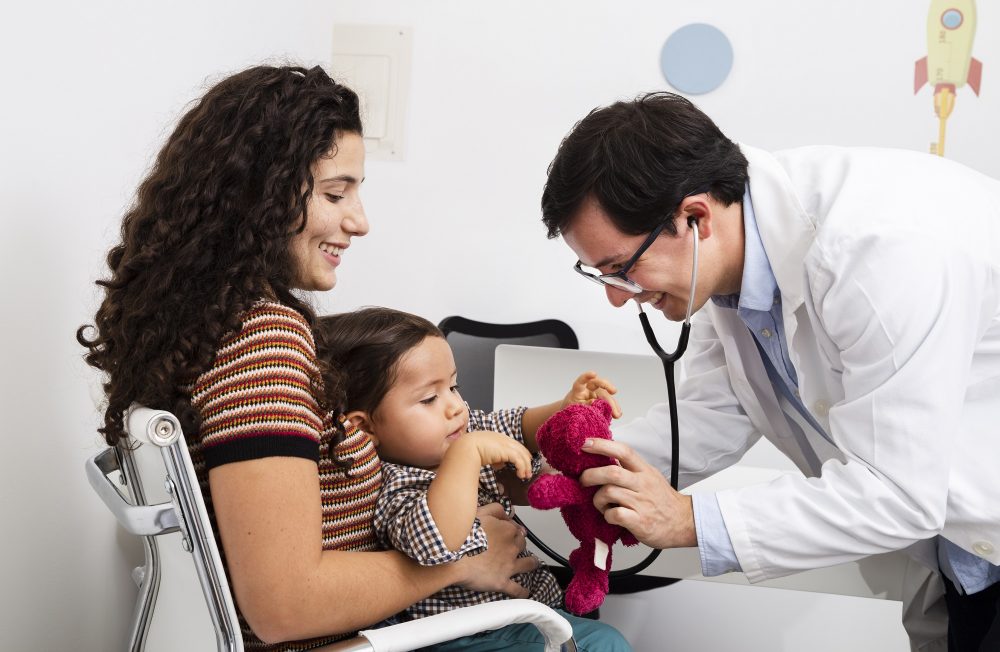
x: 258, y: 400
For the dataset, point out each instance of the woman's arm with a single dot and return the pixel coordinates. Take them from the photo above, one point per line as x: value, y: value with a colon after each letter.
x: 268, y: 514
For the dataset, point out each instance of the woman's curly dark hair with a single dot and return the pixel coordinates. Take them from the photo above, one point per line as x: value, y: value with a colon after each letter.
x: 208, y: 236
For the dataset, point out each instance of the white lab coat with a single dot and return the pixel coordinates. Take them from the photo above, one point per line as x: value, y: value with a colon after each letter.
x: 888, y: 264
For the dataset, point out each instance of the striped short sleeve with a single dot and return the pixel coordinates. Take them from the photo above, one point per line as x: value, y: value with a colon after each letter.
x: 257, y: 398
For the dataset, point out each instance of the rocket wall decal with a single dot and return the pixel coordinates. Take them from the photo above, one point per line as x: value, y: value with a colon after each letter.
x: 949, y: 64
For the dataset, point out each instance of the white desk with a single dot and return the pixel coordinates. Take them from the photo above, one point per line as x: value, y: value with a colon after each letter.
x: 531, y: 375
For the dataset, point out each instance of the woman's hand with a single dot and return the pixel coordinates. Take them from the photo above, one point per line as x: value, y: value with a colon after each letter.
x: 588, y: 387
x: 493, y: 569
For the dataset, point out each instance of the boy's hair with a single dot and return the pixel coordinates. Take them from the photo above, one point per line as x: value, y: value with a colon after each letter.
x: 365, y: 347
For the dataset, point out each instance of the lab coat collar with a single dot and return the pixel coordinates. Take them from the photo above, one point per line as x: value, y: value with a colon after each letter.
x: 786, y: 230
x: 759, y: 287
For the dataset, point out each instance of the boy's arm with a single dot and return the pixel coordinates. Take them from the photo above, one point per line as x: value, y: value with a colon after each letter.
x: 404, y: 522
x: 587, y: 388
x: 533, y: 419
x: 453, y: 496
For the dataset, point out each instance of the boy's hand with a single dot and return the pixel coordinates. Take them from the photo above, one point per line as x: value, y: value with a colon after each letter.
x: 589, y: 387
x: 496, y: 449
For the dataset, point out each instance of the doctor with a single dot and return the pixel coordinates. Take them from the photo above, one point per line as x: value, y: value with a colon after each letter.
x: 848, y: 310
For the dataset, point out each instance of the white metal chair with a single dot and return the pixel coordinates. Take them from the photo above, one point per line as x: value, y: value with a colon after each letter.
x: 162, y: 503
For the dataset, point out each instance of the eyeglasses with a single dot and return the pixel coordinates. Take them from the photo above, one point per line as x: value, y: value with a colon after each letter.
x: 620, y: 279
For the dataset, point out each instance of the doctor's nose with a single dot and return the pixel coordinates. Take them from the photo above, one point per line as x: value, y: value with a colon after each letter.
x: 616, y: 297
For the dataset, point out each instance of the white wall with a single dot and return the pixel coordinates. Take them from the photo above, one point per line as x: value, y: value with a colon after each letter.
x: 90, y: 89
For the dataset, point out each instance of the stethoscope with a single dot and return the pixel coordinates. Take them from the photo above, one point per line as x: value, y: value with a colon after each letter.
x: 668, y: 360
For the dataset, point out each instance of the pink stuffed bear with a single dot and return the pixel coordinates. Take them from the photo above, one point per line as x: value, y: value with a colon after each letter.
x: 559, y: 440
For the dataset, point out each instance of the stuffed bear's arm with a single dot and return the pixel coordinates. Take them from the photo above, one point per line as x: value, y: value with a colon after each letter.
x: 555, y: 490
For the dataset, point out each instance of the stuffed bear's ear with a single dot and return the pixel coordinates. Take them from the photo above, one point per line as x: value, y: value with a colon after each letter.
x: 604, y: 408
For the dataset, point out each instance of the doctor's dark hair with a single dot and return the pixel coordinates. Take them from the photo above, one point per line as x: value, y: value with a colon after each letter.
x: 639, y: 159
x: 208, y: 235
x: 365, y: 346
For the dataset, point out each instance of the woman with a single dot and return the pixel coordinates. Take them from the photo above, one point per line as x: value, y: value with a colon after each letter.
x: 253, y: 198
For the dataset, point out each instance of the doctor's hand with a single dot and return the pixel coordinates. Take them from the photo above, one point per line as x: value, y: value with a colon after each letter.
x: 588, y: 387
x: 637, y: 497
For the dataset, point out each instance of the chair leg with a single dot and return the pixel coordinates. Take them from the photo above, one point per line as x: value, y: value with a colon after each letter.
x: 149, y: 584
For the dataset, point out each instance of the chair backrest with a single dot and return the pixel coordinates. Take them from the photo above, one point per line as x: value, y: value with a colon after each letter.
x: 161, y: 501
x: 474, y: 343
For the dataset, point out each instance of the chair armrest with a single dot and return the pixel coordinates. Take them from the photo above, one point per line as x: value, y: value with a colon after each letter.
x: 464, y: 622
x: 142, y: 520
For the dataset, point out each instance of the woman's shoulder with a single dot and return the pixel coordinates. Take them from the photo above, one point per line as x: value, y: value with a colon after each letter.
x: 273, y: 340
x: 260, y: 387
x: 267, y: 311
x: 270, y: 321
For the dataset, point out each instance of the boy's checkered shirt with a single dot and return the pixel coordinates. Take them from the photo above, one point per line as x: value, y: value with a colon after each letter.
x: 403, y: 521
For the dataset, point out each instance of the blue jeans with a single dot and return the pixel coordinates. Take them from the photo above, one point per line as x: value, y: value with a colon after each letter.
x: 590, y: 636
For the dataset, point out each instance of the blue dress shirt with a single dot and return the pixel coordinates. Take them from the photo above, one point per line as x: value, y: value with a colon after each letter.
x: 759, y: 307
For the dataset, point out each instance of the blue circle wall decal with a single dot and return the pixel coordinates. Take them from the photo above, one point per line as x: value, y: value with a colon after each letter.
x: 696, y: 58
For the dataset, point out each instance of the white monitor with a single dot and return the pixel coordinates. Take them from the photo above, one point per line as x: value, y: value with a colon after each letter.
x: 532, y: 375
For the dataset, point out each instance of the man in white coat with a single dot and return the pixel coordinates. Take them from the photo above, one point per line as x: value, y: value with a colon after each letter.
x: 848, y: 310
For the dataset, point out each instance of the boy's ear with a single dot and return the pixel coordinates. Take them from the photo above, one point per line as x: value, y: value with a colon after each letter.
x: 362, y: 421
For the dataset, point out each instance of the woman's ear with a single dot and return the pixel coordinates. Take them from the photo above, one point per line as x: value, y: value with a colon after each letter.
x: 362, y: 421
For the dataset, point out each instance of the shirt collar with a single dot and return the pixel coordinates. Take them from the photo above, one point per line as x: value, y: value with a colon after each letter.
x: 759, y: 287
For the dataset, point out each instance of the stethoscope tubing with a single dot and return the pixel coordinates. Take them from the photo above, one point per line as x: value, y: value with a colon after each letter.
x: 668, y: 360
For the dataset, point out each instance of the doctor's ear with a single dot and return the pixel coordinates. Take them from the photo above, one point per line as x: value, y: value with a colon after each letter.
x: 696, y: 209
